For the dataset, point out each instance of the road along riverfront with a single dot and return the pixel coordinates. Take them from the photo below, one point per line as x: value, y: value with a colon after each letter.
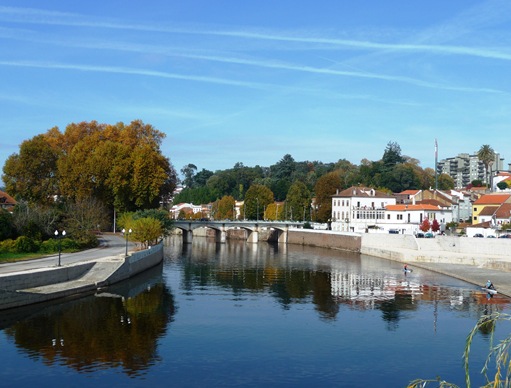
x: 110, y: 245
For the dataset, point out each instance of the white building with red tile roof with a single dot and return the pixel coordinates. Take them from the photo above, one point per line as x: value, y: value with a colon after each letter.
x: 358, y: 208
x: 364, y: 210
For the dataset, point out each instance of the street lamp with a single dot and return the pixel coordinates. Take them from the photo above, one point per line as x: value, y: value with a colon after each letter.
x: 126, y: 233
x: 63, y: 234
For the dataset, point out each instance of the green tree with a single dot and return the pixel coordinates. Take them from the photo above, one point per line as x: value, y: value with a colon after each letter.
x: 162, y: 216
x: 274, y: 212
x: 392, y: 155
x: 502, y: 185
x: 32, y: 173
x: 348, y: 172
x: 224, y: 208
x: 445, y: 182
x: 401, y: 177
x: 326, y: 186
x: 284, y: 169
x: 486, y: 154
x: 298, y: 201
x: 6, y: 225
x: 201, y: 178
x: 257, y: 198
x: 147, y: 231
x: 188, y: 171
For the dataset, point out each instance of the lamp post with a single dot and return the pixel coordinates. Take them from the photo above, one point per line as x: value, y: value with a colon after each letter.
x: 63, y: 234
x: 126, y: 233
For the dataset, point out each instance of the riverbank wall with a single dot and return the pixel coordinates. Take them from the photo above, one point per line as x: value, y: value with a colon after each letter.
x: 41, y: 285
x: 480, y: 252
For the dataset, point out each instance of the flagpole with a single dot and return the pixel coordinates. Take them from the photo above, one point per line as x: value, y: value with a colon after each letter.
x: 436, y: 165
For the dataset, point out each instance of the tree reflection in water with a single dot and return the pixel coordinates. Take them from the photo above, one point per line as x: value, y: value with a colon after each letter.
x: 118, y: 330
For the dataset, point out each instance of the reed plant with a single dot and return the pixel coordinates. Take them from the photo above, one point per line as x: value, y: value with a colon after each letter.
x: 499, y: 352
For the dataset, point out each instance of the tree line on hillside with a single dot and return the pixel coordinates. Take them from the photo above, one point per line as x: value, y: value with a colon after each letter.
x: 296, y: 183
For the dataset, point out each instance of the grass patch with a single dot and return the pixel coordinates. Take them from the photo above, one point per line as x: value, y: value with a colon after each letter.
x: 14, y: 257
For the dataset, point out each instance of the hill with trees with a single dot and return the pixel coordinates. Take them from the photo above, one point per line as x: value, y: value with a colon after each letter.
x: 296, y: 183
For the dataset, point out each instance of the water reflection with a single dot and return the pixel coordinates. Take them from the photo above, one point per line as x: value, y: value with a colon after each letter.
x: 295, y: 275
x: 116, y: 329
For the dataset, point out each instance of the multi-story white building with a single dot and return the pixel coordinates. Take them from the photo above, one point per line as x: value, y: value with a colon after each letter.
x: 359, y: 208
x: 366, y: 210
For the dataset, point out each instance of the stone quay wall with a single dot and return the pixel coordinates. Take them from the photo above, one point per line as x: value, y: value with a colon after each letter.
x: 483, y: 252
x: 43, y: 276
x: 45, y: 284
x: 326, y: 239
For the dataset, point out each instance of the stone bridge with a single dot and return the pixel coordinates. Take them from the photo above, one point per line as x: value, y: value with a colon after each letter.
x: 221, y: 228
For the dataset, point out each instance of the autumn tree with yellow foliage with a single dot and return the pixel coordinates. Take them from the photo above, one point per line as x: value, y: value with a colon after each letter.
x: 119, y: 165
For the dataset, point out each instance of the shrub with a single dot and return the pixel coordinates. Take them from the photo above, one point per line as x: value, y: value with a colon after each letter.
x: 68, y: 244
x: 24, y: 244
x: 8, y: 246
x: 49, y: 246
x: 87, y: 241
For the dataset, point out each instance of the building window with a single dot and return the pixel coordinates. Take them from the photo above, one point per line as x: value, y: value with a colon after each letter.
x: 388, y: 216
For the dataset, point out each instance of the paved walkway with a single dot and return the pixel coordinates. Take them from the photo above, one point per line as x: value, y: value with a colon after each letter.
x: 471, y: 274
x: 474, y: 274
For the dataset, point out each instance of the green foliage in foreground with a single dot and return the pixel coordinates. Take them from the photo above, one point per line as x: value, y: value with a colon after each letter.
x: 13, y: 257
x: 25, y: 246
x: 499, y: 352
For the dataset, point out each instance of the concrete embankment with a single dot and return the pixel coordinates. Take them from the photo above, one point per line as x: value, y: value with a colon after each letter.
x: 40, y: 285
x: 474, y: 260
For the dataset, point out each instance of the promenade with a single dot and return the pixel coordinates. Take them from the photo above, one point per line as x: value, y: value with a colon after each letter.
x: 36, y: 281
x: 469, y: 273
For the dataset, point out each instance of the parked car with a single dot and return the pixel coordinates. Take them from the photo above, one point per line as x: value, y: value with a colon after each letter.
x: 419, y: 235
x: 490, y: 236
x: 429, y: 235
x: 478, y: 235
x: 505, y: 236
x: 394, y: 231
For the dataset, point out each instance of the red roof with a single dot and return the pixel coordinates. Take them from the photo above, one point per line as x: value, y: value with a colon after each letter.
x: 409, y: 192
x: 6, y: 199
x: 504, y: 211
x: 492, y: 199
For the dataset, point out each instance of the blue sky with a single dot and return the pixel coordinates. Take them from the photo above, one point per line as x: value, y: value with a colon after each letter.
x: 250, y: 81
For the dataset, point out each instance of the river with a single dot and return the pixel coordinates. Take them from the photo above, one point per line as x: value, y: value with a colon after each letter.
x: 253, y: 315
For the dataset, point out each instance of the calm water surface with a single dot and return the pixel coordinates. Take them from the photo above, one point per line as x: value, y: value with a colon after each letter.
x: 254, y: 315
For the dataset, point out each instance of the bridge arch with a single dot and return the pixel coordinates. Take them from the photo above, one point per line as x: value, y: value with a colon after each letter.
x: 279, y: 229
